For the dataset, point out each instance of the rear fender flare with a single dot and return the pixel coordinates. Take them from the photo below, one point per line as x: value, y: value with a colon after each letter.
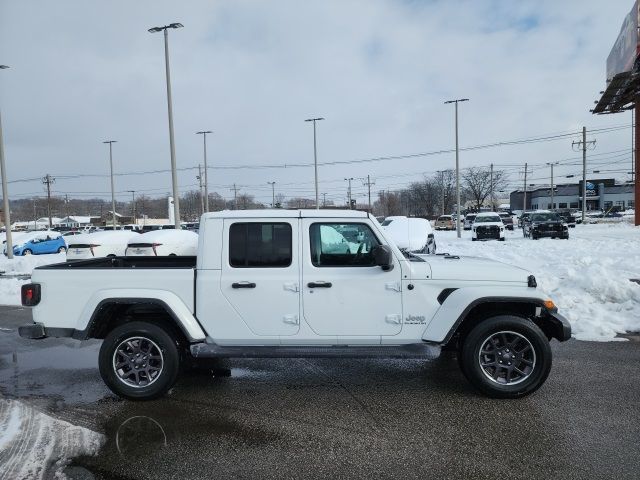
x: 169, y: 301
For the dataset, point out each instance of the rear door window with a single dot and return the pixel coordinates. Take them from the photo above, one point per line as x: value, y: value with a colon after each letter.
x: 260, y: 245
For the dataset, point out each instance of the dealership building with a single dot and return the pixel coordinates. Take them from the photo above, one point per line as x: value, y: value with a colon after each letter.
x: 602, y: 194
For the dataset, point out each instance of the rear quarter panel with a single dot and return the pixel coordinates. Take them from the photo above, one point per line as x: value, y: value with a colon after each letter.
x: 69, y: 297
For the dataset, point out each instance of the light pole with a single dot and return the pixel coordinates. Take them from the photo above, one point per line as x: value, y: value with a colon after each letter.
x: 457, y: 166
x: 315, y: 156
x: 206, y: 181
x: 174, y: 173
x: 349, y: 190
x: 552, y: 164
x: 133, y: 205
x: 273, y: 194
x: 5, y: 192
x: 113, y: 195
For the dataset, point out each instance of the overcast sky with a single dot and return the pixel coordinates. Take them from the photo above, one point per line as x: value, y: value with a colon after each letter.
x: 378, y: 70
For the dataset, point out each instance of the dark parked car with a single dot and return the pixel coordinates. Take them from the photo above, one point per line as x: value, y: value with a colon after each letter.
x: 523, y: 218
x: 568, y: 218
x: 545, y: 224
x: 507, y: 220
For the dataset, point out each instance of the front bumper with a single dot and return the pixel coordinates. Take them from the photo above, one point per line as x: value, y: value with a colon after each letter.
x: 548, y: 233
x: 37, y: 331
x: 562, y: 327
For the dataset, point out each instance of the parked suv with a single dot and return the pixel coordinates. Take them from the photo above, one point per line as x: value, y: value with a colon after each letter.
x: 445, y: 222
x: 507, y: 219
x: 468, y: 220
x: 487, y: 226
x: 545, y: 224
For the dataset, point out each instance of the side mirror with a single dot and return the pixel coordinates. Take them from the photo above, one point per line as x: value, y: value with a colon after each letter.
x: 383, y: 257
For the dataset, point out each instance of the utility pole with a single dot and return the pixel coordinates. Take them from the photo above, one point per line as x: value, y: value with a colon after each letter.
x: 133, y: 205
x: 113, y: 195
x: 273, y: 194
x: 5, y: 191
x: 524, y: 197
x: 66, y: 206
x: 47, y: 180
x: 199, y: 178
x: 493, y: 207
x: 583, y: 144
x: 368, y: 184
x: 315, y: 155
x: 459, y: 233
x: 633, y: 143
x: 552, y: 164
x: 235, y: 196
x: 349, y: 191
x: 206, y: 178
x: 324, y: 200
x: 174, y: 172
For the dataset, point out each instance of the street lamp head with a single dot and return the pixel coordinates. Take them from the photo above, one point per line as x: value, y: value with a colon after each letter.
x: 155, y: 29
x: 2, y: 67
x: 204, y: 132
x: 457, y: 100
x: 175, y: 25
x: 314, y: 119
x: 110, y: 141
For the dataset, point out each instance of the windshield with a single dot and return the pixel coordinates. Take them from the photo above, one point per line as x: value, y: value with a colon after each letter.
x: 470, y: 218
x: 444, y: 218
x: 487, y: 219
x: 545, y: 217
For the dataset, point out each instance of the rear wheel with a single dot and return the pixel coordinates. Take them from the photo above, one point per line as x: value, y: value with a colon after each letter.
x: 506, y: 357
x: 139, y: 361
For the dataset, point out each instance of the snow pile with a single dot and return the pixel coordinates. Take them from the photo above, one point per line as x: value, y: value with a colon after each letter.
x: 587, y: 276
x: 31, y: 442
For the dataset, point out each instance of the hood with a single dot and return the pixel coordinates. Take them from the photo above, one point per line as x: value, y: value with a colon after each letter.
x: 474, y: 269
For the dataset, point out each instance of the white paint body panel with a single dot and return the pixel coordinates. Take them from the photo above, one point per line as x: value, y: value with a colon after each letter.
x: 365, y: 306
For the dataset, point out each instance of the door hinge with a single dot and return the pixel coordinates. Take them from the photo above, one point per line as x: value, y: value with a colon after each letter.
x: 290, y: 319
x: 395, y: 286
x: 395, y: 318
x: 292, y: 287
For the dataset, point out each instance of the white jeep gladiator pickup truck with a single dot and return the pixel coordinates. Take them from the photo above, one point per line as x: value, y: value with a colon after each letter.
x: 297, y: 283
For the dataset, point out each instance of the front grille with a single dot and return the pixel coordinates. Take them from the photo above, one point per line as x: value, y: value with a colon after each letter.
x: 488, y: 231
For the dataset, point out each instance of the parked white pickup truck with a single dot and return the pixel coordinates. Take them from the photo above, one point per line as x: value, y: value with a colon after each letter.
x: 272, y: 283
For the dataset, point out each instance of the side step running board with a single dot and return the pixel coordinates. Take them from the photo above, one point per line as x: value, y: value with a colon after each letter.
x: 419, y: 350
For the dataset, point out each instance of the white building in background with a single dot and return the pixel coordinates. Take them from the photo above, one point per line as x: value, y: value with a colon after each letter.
x: 75, y: 221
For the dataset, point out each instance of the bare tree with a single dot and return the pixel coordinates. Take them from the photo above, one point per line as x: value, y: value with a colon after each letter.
x: 477, y: 183
x: 279, y: 200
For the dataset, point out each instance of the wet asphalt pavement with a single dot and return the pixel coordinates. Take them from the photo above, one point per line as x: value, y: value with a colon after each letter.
x: 294, y: 418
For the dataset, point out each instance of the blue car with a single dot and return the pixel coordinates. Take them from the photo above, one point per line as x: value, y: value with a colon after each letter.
x: 39, y: 243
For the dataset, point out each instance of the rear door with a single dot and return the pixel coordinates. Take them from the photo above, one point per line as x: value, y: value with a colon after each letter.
x: 344, y: 292
x: 261, y: 274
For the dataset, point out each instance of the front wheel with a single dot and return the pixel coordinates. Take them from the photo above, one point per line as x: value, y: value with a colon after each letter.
x: 26, y: 251
x: 62, y: 250
x: 139, y: 361
x: 506, y: 357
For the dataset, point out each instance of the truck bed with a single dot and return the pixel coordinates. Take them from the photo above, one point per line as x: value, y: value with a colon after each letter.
x: 125, y: 262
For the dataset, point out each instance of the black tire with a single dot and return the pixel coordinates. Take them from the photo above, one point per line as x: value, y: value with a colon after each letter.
x: 27, y: 251
x: 524, y: 333
x: 169, y: 361
x: 62, y: 250
x: 473, y: 239
x: 502, y: 239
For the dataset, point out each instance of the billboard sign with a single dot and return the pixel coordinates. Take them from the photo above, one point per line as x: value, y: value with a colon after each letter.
x: 625, y: 51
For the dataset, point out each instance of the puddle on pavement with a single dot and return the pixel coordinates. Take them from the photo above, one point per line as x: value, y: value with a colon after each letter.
x: 66, y: 372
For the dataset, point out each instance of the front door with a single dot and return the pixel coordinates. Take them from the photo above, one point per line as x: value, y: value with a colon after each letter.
x: 261, y: 275
x: 344, y: 292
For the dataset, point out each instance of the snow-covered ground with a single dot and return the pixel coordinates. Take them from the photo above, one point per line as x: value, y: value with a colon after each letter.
x: 31, y: 442
x: 587, y: 276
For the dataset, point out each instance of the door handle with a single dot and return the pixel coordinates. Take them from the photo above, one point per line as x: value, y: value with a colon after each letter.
x: 319, y: 284
x: 243, y: 285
